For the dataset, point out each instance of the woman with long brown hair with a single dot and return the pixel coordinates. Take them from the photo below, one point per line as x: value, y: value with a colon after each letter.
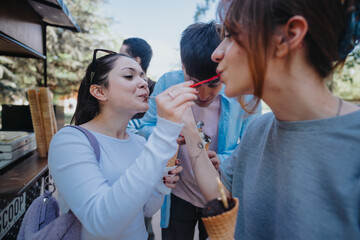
x: 296, y: 170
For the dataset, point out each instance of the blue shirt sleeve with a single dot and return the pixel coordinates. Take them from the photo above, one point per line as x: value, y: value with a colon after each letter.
x: 235, y: 129
x: 148, y: 122
x: 251, y: 117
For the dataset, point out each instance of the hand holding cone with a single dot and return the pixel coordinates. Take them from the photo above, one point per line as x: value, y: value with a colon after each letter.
x: 221, y: 225
x: 172, y: 161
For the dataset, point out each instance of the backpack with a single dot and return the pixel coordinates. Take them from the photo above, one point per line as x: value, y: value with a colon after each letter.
x: 42, y: 220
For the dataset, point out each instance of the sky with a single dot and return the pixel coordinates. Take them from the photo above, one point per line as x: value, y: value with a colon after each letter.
x: 159, y: 22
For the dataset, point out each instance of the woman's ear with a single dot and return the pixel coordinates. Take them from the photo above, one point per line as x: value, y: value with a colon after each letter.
x: 138, y: 60
x: 98, y: 92
x: 291, y: 36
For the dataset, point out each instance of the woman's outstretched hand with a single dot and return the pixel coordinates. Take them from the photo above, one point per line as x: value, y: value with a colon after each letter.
x: 172, y: 103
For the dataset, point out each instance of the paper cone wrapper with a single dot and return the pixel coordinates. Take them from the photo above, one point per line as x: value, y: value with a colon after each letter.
x: 46, y: 114
x: 222, y: 227
x: 207, y: 145
x: 172, y: 161
x: 37, y: 122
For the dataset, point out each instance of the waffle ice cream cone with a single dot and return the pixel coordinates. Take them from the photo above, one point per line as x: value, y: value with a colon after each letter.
x: 207, y: 145
x: 205, y: 138
x: 37, y: 122
x: 222, y: 227
x: 47, y: 113
x: 172, y: 161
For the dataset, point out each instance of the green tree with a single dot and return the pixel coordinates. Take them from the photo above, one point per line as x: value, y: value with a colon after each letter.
x: 68, y: 54
x: 201, y: 9
x: 346, y: 82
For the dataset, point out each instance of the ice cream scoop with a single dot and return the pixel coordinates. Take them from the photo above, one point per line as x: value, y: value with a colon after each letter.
x: 219, y: 216
x: 205, y: 138
x: 219, y: 221
x: 216, y: 207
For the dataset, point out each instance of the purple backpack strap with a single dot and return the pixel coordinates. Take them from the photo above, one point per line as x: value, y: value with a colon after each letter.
x: 92, y: 139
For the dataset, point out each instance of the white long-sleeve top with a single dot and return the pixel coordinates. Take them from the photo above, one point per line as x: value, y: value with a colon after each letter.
x: 110, y: 198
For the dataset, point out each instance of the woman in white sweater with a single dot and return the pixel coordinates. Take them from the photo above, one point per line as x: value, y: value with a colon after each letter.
x: 111, y: 197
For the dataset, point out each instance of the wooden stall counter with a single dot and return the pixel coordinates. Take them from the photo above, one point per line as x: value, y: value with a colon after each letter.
x: 18, y: 177
x: 20, y: 184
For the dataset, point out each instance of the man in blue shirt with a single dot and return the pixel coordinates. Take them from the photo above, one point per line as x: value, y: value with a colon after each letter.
x: 224, y: 121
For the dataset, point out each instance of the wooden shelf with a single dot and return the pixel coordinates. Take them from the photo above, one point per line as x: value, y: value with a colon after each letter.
x: 15, y: 179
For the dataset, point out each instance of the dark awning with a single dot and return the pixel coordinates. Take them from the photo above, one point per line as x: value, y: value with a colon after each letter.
x: 55, y: 13
x: 22, y: 25
x: 11, y: 47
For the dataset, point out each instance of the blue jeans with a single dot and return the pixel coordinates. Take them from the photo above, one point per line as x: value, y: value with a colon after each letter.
x: 183, y: 219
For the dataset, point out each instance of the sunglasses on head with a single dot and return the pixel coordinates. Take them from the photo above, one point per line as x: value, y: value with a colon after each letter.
x: 93, y: 63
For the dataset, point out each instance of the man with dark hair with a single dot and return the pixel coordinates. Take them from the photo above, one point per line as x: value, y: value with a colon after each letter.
x: 224, y: 121
x: 139, y: 49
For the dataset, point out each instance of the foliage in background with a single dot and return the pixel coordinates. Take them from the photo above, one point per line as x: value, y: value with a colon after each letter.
x: 346, y: 82
x: 201, y: 9
x: 68, y: 54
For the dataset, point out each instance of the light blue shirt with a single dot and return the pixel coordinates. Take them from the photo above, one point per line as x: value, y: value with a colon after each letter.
x: 134, y: 126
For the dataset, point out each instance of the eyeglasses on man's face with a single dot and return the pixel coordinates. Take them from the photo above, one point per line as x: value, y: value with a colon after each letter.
x: 93, y: 64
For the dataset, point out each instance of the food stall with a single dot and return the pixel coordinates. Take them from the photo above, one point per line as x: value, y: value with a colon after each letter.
x: 23, y: 26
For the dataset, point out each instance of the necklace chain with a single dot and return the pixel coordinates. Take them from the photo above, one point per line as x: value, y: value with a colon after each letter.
x: 339, y: 108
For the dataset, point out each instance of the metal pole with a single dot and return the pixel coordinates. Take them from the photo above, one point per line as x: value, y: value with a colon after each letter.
x: 45, y: 54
